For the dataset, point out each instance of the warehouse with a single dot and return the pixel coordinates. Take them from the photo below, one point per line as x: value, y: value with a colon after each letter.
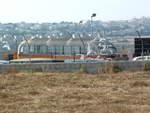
x: 55, y: 46
x: 66, y: 47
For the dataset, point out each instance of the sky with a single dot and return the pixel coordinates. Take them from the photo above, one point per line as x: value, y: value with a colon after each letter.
x: 71, y: 10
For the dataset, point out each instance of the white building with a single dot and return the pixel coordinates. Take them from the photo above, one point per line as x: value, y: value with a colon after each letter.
x: 63, y: 46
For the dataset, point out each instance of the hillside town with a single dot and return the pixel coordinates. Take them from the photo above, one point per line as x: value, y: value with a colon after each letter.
x: 118, y: 32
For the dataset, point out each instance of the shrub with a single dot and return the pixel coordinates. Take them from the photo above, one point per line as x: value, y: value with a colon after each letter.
x: 112, y: 68
x: 146, y: 66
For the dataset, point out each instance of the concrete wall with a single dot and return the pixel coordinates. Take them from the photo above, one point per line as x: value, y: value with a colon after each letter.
x: 71, y: 67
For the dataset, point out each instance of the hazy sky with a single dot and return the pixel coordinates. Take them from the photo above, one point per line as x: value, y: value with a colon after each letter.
x: 71, y: 10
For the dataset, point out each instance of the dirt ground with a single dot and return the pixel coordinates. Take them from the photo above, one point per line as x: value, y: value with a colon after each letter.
x: 124, y: 92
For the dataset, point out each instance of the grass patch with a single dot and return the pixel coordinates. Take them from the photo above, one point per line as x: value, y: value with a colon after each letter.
x: 75, y: 92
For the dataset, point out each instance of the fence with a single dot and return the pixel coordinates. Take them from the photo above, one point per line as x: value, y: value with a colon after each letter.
x: 72, y: 67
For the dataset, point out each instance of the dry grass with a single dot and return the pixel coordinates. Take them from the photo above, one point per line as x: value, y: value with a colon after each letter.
x: 125, y: 92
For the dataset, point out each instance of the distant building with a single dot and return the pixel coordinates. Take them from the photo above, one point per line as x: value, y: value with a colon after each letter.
x: 66, y: 48
x: 142, y: 46
x: 53, y: 46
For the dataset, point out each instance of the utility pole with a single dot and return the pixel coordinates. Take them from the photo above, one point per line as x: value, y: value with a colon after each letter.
x: 82, y: 41
x: 93, y: 15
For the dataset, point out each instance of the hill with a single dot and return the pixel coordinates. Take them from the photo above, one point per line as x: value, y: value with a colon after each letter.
x: 11, y: 34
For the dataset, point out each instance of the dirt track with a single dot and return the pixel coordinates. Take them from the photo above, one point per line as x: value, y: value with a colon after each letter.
x: 125, y: 92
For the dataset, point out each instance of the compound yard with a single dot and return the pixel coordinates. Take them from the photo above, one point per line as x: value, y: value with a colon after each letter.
x: 123, y: 92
